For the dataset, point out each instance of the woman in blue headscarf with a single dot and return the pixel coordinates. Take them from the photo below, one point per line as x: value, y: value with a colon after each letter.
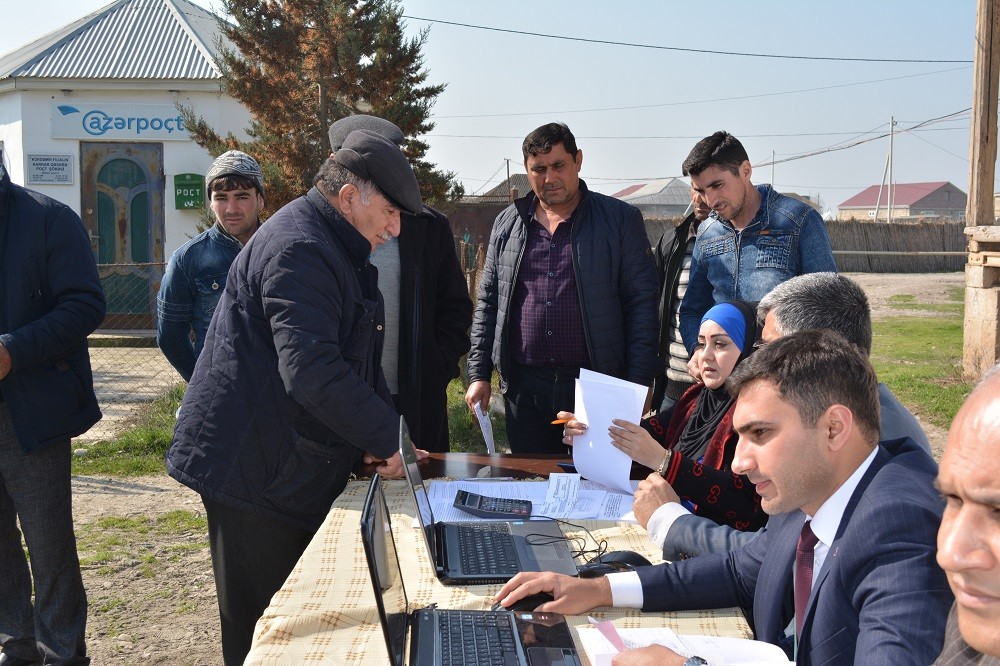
x: 692, y: 444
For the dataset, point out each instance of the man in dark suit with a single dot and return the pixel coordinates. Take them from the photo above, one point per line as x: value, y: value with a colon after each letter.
x: 969, y: 538
x: 864, y: 516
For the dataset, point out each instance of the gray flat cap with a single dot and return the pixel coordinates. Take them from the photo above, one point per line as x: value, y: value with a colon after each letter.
x: 236, y: 163
x: 375, y: 158
x: 380, y: 126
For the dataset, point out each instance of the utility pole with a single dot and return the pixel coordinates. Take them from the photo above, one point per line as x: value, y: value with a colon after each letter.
x: 772, y: 168
x: 981, y: 348
x: 510, y: 190
x: 888, y: 212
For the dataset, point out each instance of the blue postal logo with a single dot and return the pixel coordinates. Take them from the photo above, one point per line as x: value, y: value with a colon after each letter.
x: 98, y: 123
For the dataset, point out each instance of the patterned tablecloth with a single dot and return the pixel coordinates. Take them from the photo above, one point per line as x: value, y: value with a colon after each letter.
x: 325, y: 612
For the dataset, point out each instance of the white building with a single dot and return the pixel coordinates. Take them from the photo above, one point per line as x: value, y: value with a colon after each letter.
x: 88, y: 116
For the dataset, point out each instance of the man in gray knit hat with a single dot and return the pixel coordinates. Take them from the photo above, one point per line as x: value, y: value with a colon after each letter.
x: 287, y: 397
x: 196, y: 273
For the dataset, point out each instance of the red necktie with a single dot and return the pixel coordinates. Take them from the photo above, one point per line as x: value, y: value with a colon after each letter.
x: 804, y: 553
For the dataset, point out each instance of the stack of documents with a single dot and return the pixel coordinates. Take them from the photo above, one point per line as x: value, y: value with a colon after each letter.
x: 563, y: 496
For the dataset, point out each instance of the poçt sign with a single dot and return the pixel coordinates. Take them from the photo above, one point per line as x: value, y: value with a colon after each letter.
x: 132, y: 122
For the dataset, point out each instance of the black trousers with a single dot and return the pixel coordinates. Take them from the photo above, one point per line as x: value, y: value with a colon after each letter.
x: 533, y: 397
x: 251, y: 558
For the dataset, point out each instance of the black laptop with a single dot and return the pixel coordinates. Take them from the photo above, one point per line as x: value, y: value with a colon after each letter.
x: 487, y: 552
x: 452, y: 637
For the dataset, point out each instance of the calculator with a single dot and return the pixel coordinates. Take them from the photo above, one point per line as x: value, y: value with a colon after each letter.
x: 492, y: 507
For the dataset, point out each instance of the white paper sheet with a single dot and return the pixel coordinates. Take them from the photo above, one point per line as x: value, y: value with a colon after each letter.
x: 487, y: 427
x: 715, y: 649
x: 599, y: 400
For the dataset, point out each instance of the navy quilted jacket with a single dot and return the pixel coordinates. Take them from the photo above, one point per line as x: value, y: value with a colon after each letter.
x: 615, y: 277
x: 288, y: 392
x: 50, y: 300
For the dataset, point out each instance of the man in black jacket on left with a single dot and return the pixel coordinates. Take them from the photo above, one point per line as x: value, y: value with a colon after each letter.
x: 51, y: 300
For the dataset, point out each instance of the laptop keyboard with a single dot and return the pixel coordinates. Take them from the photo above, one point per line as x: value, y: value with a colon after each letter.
x: 477, y: 637
x: 487, y: 549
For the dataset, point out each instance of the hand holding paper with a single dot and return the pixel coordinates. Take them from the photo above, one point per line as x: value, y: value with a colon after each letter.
x: 486, y: 426
x: 599, y: 400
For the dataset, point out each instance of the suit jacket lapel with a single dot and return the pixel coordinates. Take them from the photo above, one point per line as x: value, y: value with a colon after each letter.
x: 773, y: 602
x: 881, y: 458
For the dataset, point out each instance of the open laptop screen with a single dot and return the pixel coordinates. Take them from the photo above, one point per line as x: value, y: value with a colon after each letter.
x: 386, y: 574
x: 416, y: 481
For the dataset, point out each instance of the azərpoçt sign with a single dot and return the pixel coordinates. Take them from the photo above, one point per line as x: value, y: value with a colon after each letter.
x: 94, y: 120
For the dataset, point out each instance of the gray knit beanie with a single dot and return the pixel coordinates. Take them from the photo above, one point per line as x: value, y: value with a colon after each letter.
x: 236, y: 163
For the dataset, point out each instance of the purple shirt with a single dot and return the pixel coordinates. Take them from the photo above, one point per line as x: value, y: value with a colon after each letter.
x: 546, y: 328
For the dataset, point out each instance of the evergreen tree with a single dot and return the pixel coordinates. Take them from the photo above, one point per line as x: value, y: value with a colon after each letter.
x: 298, y: 65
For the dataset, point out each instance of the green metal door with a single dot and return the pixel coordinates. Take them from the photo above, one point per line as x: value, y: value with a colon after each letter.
x: 122, y: 201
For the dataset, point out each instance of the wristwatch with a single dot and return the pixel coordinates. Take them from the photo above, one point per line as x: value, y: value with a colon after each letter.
x: 695, y: 661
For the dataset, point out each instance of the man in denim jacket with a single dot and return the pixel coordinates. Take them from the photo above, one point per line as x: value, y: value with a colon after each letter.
x: 196, y: 273
x: 754, y: 240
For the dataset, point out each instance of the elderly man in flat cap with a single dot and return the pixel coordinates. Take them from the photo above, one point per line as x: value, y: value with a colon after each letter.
x: 427, y: 306
x: 287, y: 395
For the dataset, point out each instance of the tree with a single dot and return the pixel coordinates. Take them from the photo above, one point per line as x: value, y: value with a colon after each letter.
x: 298, y: 65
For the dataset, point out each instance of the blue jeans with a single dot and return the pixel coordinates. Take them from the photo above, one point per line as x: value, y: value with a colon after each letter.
x: 35, y: 488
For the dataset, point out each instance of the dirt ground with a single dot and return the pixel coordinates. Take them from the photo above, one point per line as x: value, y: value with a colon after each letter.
x: 157, y: 605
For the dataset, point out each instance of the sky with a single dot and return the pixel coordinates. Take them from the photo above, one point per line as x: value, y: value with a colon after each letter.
x: 636, y: 111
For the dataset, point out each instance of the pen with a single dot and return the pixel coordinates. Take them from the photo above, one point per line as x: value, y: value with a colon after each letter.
x: 560, y: 421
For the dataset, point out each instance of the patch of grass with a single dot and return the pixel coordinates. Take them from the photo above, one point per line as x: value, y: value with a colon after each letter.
x: 109, y: 605
x: 920, y: 359
x: 140, y: 448
x: 187, y: 606
x: 463, y: 427
x: 115, y: 543
x: 179, y: 521
x: 909, y: 302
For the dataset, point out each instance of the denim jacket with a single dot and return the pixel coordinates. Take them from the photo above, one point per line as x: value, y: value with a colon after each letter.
x: 784, y: 239
x: 191, y: 288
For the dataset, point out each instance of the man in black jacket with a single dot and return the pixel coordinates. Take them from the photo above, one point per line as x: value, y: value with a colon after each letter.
x: 427, y: 306
x: 51, y: 300
x: 288, y: 395
x: 568, y: 283
x: 673, y: 263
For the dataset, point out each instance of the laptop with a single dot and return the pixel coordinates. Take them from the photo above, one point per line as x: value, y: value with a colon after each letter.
x: 452, y: 637
x: 483, y: 552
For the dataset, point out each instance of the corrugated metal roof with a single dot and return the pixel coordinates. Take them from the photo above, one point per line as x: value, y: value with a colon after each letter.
x: 518, y: 181
x: 628, y: 190
x: 903, y: 194
x: 665, y: 191
x: 128, y: 39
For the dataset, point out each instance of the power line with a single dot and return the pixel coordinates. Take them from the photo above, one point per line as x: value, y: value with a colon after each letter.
x: 490, y: 179
x: 579, y: 137
x: 701, y: 101
x: 844, y: 146
x: 948, y: 117
x: 677, y: 48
